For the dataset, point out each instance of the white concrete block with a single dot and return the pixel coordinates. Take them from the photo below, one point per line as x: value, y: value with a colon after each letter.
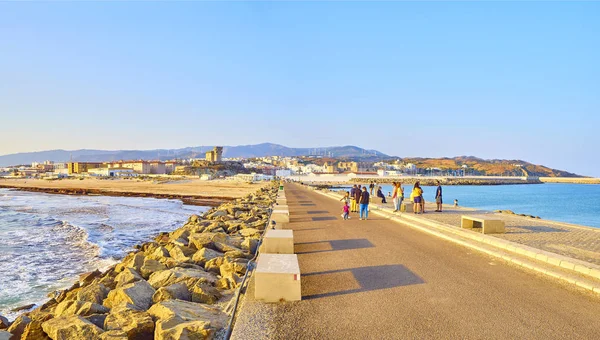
x: 278, y: 242
x: 277, y: 278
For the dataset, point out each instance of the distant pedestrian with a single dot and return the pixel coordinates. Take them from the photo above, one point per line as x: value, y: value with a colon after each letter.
x: 417, y: 194
x: 353, y: 199
x: 371, y: 188
x: 380, y: 194
x: 399, y: 193
x: 346, y: 211
x: 357, y: 194
x: 438, y: 197
x: 364, y: 204
x: 456, y: 203
x: 346, y: 197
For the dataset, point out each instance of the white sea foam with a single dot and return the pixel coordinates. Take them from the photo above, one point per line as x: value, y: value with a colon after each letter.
x: 47, y: 240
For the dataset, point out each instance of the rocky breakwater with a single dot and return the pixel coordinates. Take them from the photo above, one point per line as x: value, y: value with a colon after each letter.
x: 447, y: 181
x: 175, y: 287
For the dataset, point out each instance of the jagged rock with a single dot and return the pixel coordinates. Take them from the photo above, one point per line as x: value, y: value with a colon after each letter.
x: 213, y: 265
x: 4, y: 335
x: 250, y: 232
x: 159, y: 253
x: 96, y: 319
x: 227, y: 269
x: 177, y: 291
x: 216, y: 214
x: 224, y: 247
x: 205, y: 293
x: 150, y: 266
x: 177, y: 329
x: 95, y: 293
x: 181, y: 254
x: 205, y: 254
x: 171, y: 313
x: 181, y: 233
x: 114, y: 335
x: 194, y: 218
x: 136, y: 324
x: 138, y: 294
x: 132, y: 260
x: 18, y: 326
x: 127, y: 276
x: 109, y: 280
x: 4, y: 322
x: 86, y: 278
x: 22, y: 308
x: 34, y: 331
x: 204, y: 240
x: 83, y: 308
x: 71, y: 328
x: 250, y: 245
x: 174, y: 275
x: 236, y: 254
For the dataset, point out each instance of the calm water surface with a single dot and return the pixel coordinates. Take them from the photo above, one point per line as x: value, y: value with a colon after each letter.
x: 571, y: 203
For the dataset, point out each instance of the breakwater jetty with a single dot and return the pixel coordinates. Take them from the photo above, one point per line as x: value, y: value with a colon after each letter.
x: 180, y: 285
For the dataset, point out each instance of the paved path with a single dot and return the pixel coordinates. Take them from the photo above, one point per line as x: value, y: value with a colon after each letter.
x: 378, y: 279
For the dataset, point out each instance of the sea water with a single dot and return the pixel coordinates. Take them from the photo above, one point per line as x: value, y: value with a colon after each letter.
x: 570, y: 203
x: 47, y: 240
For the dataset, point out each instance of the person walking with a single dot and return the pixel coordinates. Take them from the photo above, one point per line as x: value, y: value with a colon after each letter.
x: 357, y: 194
x: 353, y: 203
x: 399, y: 196
x: 371, y: 187
x: 394, y: 195
x: 364, y: 204
x: 417, y: 194
x: 438, y: 197
x: 346, y: 211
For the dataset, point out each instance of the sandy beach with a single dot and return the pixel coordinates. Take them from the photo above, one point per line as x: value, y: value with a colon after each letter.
x: 192, y: 191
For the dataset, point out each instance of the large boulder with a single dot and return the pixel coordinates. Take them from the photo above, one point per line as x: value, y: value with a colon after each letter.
x: 71, y: 328
x: 33, y: 330
x: 136, y: 324
x: 74, y: 307
x: 177, y: 291
x: 138, y: 294
x: 18, y: 326
x: 132, y: 260
x: 216, y: 214
x: 205, y: 240
x: 171, y: 314
x: 213, y: 265
x: 249, y: 245
x: 4, y: 335
x: 150, y: 266
x: 114, y: 335
x: 176, y: 329
x: 87, y: 278
x: 4, y: 324
x: 94, y: 293
x: 250, y: 232
x: 127, y: 276
x: 205, y: 254
x: 97, y: 319
x: 204, y: 293
x: 170, y: 276
x: 181, y: 253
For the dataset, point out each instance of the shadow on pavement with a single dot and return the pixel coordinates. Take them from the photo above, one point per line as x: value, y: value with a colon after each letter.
x: 324, y: 246
x: 356, y: 280
x: 318, y: 212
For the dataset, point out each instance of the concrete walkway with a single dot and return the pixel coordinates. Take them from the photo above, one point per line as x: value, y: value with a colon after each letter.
x: 378, y: 279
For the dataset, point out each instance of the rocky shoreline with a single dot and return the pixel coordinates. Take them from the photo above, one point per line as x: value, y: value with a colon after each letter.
x: 447, y: 181
x: 175, y: 287
x: 187, y: 199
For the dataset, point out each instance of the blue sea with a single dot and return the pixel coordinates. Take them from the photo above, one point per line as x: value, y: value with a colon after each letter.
x: 47, y: 240
x: 571, y: 203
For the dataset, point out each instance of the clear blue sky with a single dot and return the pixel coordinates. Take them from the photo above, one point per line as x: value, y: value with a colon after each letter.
x: 494, y: 80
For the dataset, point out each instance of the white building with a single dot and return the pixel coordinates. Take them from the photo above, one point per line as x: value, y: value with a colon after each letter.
x: 283, y: 173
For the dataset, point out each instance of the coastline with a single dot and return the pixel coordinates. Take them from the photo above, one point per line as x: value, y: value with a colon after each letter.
x: 189, y: 191
x: 192, y: 271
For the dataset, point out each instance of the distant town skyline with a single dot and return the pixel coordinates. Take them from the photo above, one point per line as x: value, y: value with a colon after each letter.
x: 495, y: 80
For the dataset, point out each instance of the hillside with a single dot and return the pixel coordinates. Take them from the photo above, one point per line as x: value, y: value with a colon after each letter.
x: 244, y: 151
x: 489, y: 167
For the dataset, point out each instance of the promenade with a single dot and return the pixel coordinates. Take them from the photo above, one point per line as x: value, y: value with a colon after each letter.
x: 379, y: 279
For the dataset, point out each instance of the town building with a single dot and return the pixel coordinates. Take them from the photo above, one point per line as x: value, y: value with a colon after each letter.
x: 81, y: 167
x: 215, y: 155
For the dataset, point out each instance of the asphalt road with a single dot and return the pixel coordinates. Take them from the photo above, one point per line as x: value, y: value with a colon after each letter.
x: 378, y: 279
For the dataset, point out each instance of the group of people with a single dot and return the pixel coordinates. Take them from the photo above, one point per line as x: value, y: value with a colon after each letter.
x: 357, y: 199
